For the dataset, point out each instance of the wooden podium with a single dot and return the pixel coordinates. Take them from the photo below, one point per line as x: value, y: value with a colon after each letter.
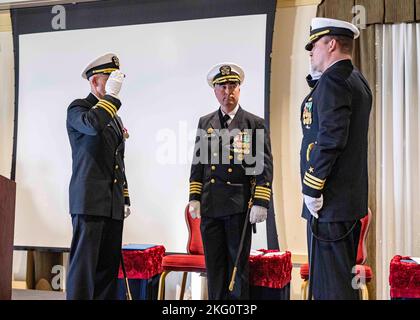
x: 7, y: 223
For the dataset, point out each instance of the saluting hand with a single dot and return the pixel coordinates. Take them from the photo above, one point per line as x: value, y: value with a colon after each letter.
x: 114, y: 83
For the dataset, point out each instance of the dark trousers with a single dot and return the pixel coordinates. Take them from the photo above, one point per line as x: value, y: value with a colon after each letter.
x: 333, y: 261
x: 221, y: 238
x: 94, y: 258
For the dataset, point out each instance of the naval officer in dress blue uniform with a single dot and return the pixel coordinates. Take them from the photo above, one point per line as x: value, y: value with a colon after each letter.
x: 232, y: 160
x: 99, y: 199
x: 333, y: 158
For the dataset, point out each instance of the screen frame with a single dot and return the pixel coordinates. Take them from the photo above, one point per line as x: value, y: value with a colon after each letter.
x: 108, y: 13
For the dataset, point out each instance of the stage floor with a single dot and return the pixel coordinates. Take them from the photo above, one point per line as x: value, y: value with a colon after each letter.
x: 22, y: 294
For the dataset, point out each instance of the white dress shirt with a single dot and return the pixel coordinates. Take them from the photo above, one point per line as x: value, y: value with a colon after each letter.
x: 230, y: 114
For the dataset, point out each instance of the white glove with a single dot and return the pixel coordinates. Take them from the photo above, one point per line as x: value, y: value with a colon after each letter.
x: 114, y: 83
x: 313, y: 204
x: 194, y: 209
x: 258, y: 214
x: 127, y: 211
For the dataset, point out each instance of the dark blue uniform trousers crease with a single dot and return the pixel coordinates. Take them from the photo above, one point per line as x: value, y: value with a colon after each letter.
x: 334, y: 261
x: 221, y: 238
x: 94, y: 258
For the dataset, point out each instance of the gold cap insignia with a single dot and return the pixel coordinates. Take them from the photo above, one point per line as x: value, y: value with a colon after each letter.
x: 225, y: 70
x: 116, y: 61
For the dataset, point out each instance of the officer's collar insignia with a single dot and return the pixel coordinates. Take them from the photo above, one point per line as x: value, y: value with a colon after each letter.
x: 116, y: 61
x: 225, y: 70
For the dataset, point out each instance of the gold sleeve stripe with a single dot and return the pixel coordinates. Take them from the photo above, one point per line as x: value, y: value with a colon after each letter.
x: 197, y: 192
x: 195, y: 189
x: 314, y: 182
x: 312, y: 186
x: 105, y: 104
x: 262, y: 188
x: 268, y: 193
x: 109, y: 104
x: 314, y: 178
x: 194, y: 182
x: 261, y: 197
x: 107, y: 109
x: 262, y: 194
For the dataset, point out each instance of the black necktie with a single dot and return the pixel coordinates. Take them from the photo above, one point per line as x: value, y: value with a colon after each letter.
x: 226, y: 118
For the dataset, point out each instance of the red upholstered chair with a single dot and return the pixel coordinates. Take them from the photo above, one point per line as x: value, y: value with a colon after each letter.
x: 363, y: 271
x: 193, y: 261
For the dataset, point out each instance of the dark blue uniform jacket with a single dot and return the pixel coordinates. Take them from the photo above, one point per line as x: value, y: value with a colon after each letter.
x: 98, y: 183
x: 333, y: 156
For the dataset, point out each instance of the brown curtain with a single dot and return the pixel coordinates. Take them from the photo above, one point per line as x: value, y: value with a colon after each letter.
x: 365, y: 60
x: 377, y: 11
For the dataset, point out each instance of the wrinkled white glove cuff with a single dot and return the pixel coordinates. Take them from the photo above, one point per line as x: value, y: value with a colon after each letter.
x: 194, y: 209
x: 258, y: 214
x: 113, y: 95
x: 127, y: 211
x: 314, y: 204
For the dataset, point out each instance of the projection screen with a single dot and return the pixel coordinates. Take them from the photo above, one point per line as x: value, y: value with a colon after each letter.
x: 164, y: 94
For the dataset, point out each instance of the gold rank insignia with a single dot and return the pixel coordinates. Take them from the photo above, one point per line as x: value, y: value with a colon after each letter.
x: 116, y: 61
x: 210, y: 130
x: 225, y: 70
